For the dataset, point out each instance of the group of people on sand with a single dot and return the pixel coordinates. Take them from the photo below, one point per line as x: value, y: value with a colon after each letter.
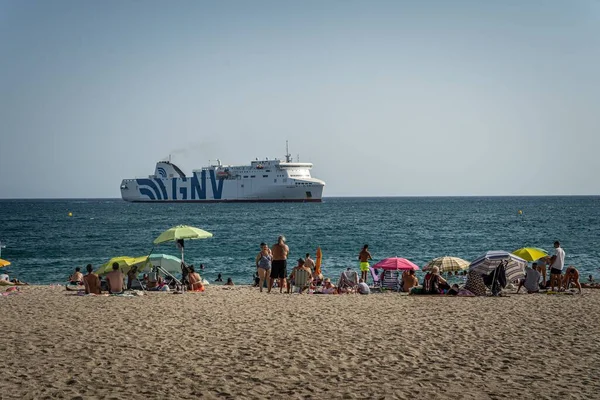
x: 114, y: 281
x: 271, y: 267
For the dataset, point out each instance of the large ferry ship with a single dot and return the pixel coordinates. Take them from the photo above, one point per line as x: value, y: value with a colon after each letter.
x: 263, y: 180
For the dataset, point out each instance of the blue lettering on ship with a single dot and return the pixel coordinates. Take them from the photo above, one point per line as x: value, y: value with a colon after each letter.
x: 155, y: 189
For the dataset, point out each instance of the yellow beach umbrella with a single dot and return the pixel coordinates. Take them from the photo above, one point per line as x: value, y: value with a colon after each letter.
x: 124, y: 262
x: 447, y: 264
x: 530, y: 253
x: 4, y: 263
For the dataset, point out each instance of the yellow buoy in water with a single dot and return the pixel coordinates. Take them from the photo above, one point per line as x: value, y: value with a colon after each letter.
x: 70, y: 214
x: 520, y: 212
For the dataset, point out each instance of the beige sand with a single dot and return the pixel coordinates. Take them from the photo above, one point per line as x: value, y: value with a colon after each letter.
x: 241, y: 344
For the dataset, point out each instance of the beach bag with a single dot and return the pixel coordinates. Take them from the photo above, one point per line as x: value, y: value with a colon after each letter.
x: 431, y: 284
x: 264, y: 262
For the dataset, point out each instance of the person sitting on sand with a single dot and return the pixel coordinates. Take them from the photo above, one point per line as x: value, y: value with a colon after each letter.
x: 131, y: 276
x: 91, y: 281
x: 453, y: 290
x: 433, y: 283
x: 362, y: 287
x: 115, y: 280
x: 571, y: 277
x: 229, y: 282
x: 219, y: 278
x: 409, y: 281
x: 531, y: 280
x: 328, y: 288
x: 195, y: 280
x: 77, y: 277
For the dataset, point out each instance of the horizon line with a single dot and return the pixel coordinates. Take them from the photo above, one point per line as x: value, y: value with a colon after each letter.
x: 324, y: 197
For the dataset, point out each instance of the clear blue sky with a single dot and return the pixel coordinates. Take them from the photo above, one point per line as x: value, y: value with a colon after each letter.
x: 384, y: 97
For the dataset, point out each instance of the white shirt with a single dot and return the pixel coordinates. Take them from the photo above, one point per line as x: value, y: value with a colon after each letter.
x: 363, y: 288
x: 4, y: 277
x: 559, y: 262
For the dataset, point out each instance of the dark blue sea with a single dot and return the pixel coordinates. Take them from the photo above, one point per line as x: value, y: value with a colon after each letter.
x: 44, y: 244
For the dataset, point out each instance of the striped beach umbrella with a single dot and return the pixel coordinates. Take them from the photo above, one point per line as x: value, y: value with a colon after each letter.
x: 447, y: 264
x: 487, y: 263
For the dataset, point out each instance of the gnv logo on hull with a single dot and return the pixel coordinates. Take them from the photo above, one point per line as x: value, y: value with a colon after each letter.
x: 193, y: 188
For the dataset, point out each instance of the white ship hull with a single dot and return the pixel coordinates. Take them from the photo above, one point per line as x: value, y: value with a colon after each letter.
x: 262, y: 181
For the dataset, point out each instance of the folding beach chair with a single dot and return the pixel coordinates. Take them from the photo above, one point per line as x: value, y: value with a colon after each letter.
x: 348, y: 281
x: 391, y: 280
x: 376, y: 280
x: 301, y: 280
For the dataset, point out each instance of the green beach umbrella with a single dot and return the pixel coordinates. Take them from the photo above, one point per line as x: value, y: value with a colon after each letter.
x: 169, y: 263
x: 182, y: 232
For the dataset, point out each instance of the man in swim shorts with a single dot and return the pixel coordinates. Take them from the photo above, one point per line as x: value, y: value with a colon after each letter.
x: 556, y: 267
x: 364, y: 256
x: 280, y: 252
x: 571, y: 276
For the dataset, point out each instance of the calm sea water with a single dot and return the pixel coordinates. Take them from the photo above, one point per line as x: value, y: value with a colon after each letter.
x: 45, y: 244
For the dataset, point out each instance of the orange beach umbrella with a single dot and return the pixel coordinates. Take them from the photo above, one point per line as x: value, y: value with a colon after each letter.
x: 319, y: 261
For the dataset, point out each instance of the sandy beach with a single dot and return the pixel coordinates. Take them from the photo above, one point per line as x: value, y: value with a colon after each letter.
x: 239, y: 343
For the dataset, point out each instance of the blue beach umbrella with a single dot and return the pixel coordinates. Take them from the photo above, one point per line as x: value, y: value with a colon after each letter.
x: 487, y: 263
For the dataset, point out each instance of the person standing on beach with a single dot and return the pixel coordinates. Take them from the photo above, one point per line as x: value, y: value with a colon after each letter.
x: 364, y: 256
x: 263, y: 261
x: 541, y: 268
x: 115, y: 280
x: 556, y: 266
x: 91, y: 281
x: 280, y: 252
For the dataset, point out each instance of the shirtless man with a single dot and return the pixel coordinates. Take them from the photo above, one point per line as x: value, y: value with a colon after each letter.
x: 409, y: 281
x: 91, y: 281
x: 77, y: 277
x: 115, y: 280
x: 280, y: 252
x: 364, y: 256
x: 571, y: 276
x: 309, y: 262
x: 301, y: 266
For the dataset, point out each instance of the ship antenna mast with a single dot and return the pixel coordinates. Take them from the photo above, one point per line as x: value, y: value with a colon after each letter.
x: 288, y: 156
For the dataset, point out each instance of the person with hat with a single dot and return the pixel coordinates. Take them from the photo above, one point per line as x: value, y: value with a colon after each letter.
x: 328, y: 288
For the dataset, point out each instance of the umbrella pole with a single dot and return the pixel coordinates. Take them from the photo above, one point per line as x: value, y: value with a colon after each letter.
x: 148, y: 261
